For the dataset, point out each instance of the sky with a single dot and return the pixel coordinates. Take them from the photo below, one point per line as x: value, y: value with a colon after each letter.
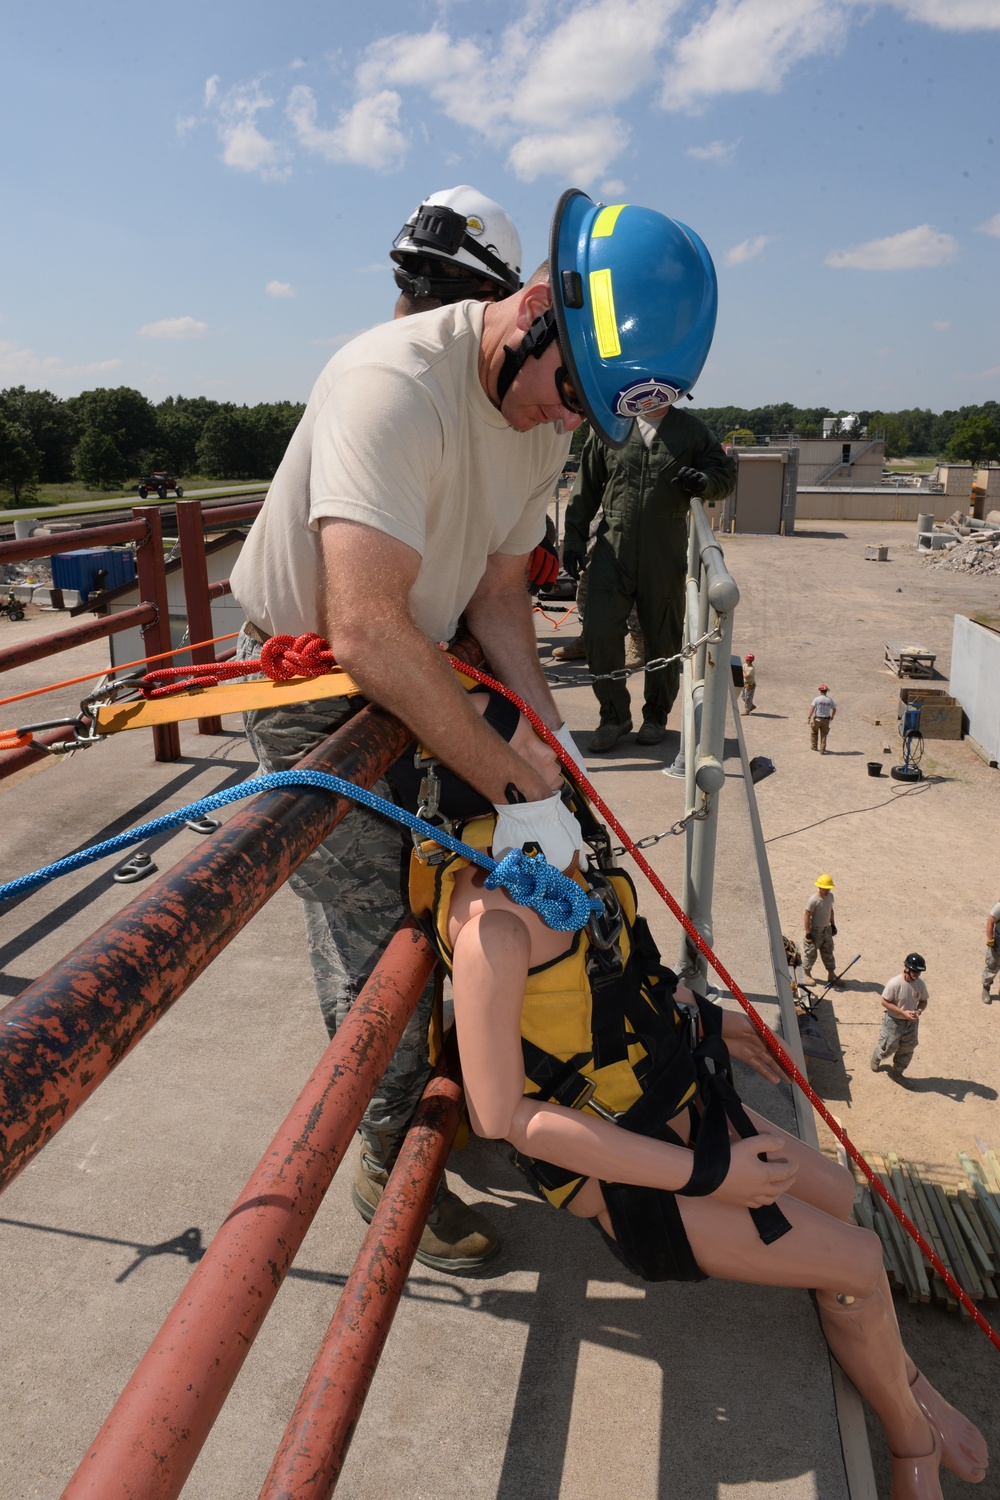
x: 200, y: 199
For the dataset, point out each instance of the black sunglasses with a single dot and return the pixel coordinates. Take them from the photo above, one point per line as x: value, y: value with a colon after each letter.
x: 567, y: 392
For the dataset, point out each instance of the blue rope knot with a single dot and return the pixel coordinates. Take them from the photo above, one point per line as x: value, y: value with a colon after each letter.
x: 559, y: 901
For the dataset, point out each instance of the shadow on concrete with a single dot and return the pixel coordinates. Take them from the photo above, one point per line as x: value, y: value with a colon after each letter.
x: 825, y: 536
x: 831, y: 1080
x: 149, y: 807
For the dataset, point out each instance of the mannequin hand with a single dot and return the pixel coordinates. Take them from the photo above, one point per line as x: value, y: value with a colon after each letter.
x: 549, y: 824
x: 691, y: 481
x: 745, y: 1042
x: 573, y: 562
x: 750, y: 1183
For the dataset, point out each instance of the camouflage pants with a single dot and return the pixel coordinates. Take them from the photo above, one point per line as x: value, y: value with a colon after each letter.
x: 897, y: 1039
x: 350, y: 890
x: 819, y: 942
x: 991, y: 965
x: 818, y: 731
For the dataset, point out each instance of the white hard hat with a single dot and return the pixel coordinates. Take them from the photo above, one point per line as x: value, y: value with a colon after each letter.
x: 462, y: 226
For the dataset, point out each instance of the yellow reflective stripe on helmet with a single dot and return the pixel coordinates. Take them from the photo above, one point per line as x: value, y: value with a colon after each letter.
x: 605, y: 323
x: 606, y: 220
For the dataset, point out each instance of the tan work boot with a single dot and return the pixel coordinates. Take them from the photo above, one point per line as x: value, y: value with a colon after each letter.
x: 573, y: 650
x: 635, y: 656
x: 455, y: 1239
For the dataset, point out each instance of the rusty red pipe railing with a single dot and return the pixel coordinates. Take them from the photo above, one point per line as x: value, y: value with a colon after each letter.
x: 151, y: 576
x: 309, y: 1461
x: 65, y: 1033
x: 197, y: 598
x: 218, y: 517
x: 115, y: 532
x: 217, y: 590
x: 74, y: 635
x: 149, y: 1443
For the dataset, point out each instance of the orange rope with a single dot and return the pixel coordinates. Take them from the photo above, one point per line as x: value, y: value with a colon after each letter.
x: 87, y: 676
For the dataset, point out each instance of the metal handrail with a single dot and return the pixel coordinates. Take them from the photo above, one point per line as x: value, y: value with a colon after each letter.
x: 712, y: 597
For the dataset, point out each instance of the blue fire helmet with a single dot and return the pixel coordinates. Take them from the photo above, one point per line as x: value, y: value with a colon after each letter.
x: 635, y: 298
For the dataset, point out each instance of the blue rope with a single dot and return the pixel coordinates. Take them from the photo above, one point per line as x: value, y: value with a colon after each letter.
x: 559, y: 901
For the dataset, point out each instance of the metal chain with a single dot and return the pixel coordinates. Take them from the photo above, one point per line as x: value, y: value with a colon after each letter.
x: 622, y: 674
x: 697, y: 816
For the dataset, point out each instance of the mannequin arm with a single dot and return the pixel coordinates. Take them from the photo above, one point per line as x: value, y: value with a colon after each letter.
x: 491, y: 957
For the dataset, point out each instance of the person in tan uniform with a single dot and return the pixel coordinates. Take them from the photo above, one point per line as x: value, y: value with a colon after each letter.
x: 820, y: 930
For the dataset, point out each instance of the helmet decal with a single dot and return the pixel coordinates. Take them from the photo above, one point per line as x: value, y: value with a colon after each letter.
x: 606, y: 220
x: 644, y: 396
x: 602, y: 299
x: 474, y: 224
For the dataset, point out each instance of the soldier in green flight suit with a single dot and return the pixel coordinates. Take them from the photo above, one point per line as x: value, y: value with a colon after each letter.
x: 639, y: 558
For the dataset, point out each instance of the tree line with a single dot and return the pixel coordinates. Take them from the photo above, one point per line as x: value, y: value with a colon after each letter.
x: 969, y: 435
x: 104, y: 438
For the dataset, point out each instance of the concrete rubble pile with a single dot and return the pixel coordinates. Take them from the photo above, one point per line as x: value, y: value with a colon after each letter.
x: 979, y: 553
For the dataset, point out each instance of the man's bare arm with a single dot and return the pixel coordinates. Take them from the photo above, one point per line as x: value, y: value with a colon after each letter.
x: 366, y: 618
x: 499, y: 614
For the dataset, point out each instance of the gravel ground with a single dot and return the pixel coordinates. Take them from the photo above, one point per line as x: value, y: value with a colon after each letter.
x: 914, y: 867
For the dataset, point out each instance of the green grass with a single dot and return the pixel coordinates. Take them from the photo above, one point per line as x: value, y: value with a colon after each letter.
x: 911, y: 465
x: 72, y: 491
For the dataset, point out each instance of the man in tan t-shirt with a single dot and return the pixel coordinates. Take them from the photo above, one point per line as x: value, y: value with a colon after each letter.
x: 904, y: 1001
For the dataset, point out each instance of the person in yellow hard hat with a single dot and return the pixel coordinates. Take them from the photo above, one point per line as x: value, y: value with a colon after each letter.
x: 821, y: 929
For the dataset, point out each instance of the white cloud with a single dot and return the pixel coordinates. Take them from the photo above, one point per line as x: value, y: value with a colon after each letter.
x: 612, y: 189
x: 914, y: 249
x: 19, y: 365
x: 992, y: 226
x: 941, y: 324
x: 952, y: 15
x: 544, y: 88
x: 279, y: 289
x: 747, y: 250
x: 367, y: 134
x: 577, y: 155
x: 244, y: 145
x: 721, y: 152
x: 750, y: 45
x: 174, y: 328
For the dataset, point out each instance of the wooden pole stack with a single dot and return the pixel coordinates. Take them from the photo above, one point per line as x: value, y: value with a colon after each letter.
x: 961, y: 1223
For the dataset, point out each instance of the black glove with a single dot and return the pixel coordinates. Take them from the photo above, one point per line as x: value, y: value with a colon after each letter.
x: 833, y: 929
x: 573, y: 562
x: 692, y: 481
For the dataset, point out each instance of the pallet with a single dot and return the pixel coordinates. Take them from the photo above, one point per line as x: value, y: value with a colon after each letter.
x: 909, y: 661
x: 961, y: 1224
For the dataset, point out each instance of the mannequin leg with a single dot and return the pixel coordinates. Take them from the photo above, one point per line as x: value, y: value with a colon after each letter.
x: 845, y: 1264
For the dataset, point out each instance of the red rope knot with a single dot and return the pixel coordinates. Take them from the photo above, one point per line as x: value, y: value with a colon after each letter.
x: 283, y: 657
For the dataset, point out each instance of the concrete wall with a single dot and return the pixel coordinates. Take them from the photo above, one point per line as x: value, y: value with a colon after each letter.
x: 975, y: 680
x: 879, y: 504
x: 817, y: 454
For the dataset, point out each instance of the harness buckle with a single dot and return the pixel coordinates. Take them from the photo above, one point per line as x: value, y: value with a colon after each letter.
x: 427, y: 809
x: 604, y: 927
x: 586, y: 1100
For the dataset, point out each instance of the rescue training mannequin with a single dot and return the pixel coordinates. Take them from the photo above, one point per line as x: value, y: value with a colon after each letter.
x: 515, y: 1014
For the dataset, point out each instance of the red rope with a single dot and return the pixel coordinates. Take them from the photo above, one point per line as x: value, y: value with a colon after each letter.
x: 282, y: 657
x: 759, y: 1024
